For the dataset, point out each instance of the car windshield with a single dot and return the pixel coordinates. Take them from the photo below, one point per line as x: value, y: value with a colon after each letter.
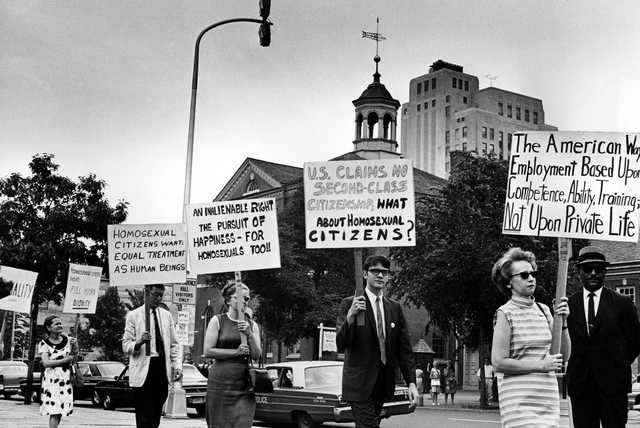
x: 315, y: 377
x: 110, y: 369
x: 190, y: 372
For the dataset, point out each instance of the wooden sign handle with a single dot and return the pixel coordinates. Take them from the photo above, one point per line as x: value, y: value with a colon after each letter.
x: 147, y: 320
x: 357, y: 259
x: 564, y: 254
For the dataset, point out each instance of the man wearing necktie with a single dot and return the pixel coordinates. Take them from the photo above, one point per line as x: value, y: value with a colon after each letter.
x: 373, y: 351
x: 605, y: 339
x: 150, y: 375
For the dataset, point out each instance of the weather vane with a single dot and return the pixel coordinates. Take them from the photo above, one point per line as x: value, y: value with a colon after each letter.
x: 374, y: 36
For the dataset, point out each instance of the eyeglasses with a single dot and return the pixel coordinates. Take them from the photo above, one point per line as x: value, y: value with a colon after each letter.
x: 377, y: 272
x: 590, y: 268
x: 246, y: 298
x: 525, y: 274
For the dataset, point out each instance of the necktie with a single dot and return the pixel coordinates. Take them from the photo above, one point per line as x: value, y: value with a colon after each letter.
x: 591, y: 313
x: 159, y: 342
x: 383, y: 351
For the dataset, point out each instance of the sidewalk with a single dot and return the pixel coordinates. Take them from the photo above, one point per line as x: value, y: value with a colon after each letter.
x: 464, y: 400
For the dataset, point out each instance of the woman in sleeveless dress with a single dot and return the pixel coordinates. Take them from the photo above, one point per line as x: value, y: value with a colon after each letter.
x: 58, y: 353
x: 230, y: 399
x: 527, y: 386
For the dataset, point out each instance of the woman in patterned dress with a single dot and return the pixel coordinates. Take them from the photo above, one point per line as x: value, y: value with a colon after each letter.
x: 527, y: 386
x: 58, y: 353
x: 230, y: 399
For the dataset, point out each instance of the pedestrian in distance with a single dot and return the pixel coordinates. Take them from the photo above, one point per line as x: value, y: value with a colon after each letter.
x: 451, y: 384
x: 373, y: 351
x: 230, y: 399
x: 150, y: 375
x: 58, y: 353
x: 605, y: 340
x: 527, y: 385
x: 489, y: 376
x: 434, y: 378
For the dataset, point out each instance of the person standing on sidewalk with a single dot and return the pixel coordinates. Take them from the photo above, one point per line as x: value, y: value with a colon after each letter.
x: 149, y: 375
x: 527, y: 385
x: 434, y: 376
x: 58, y: 353
x: 451, y: 384
x: 373, y: 351
x: 605, y: 339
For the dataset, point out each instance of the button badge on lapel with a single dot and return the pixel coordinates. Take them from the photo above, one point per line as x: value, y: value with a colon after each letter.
x: 393, y: 325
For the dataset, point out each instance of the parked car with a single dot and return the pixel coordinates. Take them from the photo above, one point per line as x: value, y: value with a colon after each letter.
x: 308, y: 393
x: 11, y: 373
x: 117, y: 392
x: 89, y: 372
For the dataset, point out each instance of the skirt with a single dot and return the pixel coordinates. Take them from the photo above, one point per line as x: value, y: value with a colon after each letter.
x: 230, y: 401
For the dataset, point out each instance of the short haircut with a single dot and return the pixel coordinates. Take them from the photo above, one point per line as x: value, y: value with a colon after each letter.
x: 230, y: 289
x: 376, y: 259
x: 501, y: 271
x: 48, y: 321
x: 148, y: 287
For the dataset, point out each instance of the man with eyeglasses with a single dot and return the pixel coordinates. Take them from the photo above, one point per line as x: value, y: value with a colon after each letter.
x: 150, y: 375
x: 373, y: 351
x: 605, y: 339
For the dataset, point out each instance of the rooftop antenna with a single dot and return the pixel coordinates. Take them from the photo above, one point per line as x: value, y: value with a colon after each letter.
x: 491, y: 78
x: 377, y: 37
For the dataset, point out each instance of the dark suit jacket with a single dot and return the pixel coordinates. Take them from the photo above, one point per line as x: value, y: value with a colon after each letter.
x: 610, y: 349
x: 362, y: 351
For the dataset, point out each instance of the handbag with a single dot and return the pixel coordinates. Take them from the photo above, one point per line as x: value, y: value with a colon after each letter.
x: 259, y: 377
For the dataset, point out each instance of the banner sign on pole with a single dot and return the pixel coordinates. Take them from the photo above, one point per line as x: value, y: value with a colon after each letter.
x: 574, y: 185
x: 352, y: 204
x: 182, y: 328
x: 233, y: 236
x: 184, y: 294
x: 83, y: 282
x: 329, y: 341
x: 23, y: 284
x: 146, y: 253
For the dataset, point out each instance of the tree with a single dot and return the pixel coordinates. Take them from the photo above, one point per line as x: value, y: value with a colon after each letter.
x: 48, y: 221
x: 108, y: 322
x: 459, y: 237
x: 308, y: 287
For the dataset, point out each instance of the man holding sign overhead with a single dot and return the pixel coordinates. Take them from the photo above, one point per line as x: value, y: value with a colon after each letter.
x: 605, y: 339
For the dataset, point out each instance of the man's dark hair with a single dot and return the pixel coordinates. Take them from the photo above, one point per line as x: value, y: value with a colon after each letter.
x: 148, y: 287
x: 376, y: 259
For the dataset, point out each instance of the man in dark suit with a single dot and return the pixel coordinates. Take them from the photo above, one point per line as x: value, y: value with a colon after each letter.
x: 372, y: 352
x: 605, y: 339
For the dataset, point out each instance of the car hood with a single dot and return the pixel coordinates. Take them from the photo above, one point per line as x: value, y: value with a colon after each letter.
x: 194, y: 383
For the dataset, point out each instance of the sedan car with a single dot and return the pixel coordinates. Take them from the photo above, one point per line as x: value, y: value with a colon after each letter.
x: 11, y: 373
x: 307, y: 393
x: 117, y: 392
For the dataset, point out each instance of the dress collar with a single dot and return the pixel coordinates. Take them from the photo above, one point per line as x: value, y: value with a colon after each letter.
x: 523, y: 301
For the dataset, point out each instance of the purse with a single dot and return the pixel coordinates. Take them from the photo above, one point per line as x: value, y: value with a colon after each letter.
x: 259, y: 377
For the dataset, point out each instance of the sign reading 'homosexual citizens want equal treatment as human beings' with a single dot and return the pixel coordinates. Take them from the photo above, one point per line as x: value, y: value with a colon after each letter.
x: 574, y: 185
x: 368, y: 203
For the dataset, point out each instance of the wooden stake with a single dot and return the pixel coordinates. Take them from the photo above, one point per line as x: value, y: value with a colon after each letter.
x: 564, y: 254
x: 147, y: 321
x: 357, y: 258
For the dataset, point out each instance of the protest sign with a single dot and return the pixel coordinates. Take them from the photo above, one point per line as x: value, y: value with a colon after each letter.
x: 182, y: 328
x: 82, y: 289
x: 368, y: 203
x: 574, y: 185
x: 146, y: 253
x: 184, y: 294
x: 233, y: 236
x: 22, y: 284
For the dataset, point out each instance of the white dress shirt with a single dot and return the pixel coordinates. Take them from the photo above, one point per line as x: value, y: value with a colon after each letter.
x: 596, y: 303
x: 372, y: 299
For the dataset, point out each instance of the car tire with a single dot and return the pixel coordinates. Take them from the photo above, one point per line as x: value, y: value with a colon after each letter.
x: 107, y: 402
x: 95, y: 399
x: 200, y: 409
x: 303, y: 420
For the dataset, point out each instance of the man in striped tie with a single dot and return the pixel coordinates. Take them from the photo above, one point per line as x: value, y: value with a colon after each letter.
x: 374, y: 350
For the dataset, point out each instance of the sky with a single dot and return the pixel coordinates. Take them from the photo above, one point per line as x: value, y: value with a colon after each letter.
x: 106, y: 85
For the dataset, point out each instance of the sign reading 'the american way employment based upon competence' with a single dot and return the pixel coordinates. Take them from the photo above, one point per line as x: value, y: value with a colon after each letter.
x: 147, y: 253
x: 574, y: 185
x: 233, y: 236
x: 368, y: 203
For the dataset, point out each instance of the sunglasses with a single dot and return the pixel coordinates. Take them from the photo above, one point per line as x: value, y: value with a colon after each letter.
x: 590, y: 268
x: 525, y: 274
x: 246, y: 298
x: 377, y: 272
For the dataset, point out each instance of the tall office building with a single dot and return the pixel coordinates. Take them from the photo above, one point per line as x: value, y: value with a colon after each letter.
x: 447, y: 111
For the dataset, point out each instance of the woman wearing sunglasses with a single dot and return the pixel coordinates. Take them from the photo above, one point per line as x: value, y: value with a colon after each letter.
x: 527, y: 386
x: 230, y: 400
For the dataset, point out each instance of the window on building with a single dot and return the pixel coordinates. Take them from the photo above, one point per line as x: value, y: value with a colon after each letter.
x: 447, y: 98
x: 252, y: 186
x: 439, y: 346
x: 457, y: 133
x: 404, y: 111
x: 500, y: 109
x: 459, y: 83
x: 535, y: 117
x: 466, y: 85
x: 630, y: 292
x: 464, y: 100
x: 454, y: 82
x: 491, y: 134
x: 447, y: 137
x: 426, y: 85
x: 464, y: 146
x: 426, y: 105
x: 509, y: 142
x: 517, y: 113
x: 433, y: 103
x: 500, y: 137
x: 447, y: 111
x: 433, y: 83
x: 492, y: 148
x: 484, y: 149
x: 418, y: 106
x: 484, y: 132
x: 447, y: 166
x: 465, y: 130
x: 419, y: 88
x: 509, y: 110
x: 526, y: 115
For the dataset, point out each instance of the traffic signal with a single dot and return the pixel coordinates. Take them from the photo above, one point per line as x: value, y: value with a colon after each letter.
x: 265, y: 8
x: 264, y: 32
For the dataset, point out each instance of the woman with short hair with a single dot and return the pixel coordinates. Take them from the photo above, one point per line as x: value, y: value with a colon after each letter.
x: 527, y: 385
x: 230, y: 398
